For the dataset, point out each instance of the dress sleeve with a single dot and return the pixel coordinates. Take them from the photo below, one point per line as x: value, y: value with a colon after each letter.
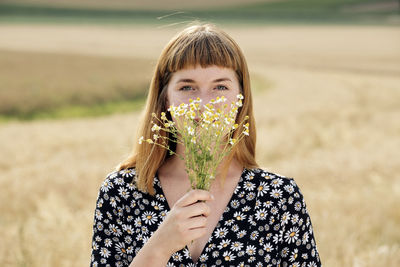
x: 296, y: 245
x: 108, y: 245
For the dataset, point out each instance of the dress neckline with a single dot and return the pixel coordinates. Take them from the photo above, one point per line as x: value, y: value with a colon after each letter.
x: 220, y: 221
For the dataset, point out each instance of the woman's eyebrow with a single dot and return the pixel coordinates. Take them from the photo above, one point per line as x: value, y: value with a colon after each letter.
x: 193, y: 81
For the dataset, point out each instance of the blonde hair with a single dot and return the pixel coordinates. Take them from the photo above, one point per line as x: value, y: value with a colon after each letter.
x: 203, y: 45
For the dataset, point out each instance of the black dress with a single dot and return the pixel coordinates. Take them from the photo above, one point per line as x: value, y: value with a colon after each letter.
x: 266, y: 223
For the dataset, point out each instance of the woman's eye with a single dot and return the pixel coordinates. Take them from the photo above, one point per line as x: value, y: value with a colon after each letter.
x: 221, y: 87
x: 186, y: 88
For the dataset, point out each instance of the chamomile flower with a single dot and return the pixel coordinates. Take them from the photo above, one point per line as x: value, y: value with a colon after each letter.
x: 107, y: 185
x: 120, y: 248
x: 261, y: 214
x: 228, y: 256
x: 249, y: 186
x: 157, y: 206
x: 108, y: 242
x: 128, y: 229
x: 236, y: 246
x: 155, y: 128
x: 104, y: 252
x: 305, y: 238
x: 250, y: 250
x: 190, y: 130
x: 224, y: 243
x: 285, y: 218
x: 268, y: 247
x: 123, y: 192
x: 294, y: 255
x: 149, y: 217
x: 203, y: 258
x: 276, y: 193
x: 239, y: 216
x: 200, y: 128
x: 277, y: 182
x: 254, y: 235
x: 115, y: 230
x: 176, y: 256
x: 292, y: 235
x: 241, y: 233
x: 262, y: 189
x: 221, y: 232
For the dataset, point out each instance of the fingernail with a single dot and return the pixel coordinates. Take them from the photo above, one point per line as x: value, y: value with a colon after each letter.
x: 212, y: 197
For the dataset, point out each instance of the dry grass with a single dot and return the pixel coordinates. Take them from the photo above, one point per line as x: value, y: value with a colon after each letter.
x: 51, y: 80
x: 329, y: 118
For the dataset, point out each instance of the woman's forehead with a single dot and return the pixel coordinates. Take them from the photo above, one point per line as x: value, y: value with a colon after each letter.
x: 211, y: 72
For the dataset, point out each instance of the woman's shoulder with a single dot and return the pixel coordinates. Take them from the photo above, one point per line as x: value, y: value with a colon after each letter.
x: 120, y: 184
x: 120, y: 177
x: 126, y: 175
x: 261, y: 174
x: 271, y: 183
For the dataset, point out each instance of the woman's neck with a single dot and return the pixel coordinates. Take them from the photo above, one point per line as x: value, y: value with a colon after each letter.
x: 175, y: 166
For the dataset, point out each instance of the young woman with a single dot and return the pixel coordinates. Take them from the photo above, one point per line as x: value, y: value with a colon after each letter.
x: 147, y: 216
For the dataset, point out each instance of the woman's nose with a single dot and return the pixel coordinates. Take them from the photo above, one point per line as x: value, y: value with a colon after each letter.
x: 205, y: 97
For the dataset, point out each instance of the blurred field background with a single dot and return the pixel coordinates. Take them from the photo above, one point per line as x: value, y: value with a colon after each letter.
x: 326, y: 84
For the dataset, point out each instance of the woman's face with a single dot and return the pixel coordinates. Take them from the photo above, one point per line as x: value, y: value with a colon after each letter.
x: 206, y: 83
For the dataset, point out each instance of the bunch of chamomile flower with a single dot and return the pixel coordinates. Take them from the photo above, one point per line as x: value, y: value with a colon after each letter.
x: 205, y: 133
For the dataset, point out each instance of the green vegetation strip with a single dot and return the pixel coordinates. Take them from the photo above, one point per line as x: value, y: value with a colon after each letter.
x: 79, y: 111
x: 285, y: 11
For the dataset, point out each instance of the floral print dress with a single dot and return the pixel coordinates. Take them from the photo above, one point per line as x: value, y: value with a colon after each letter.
x: 265, y: 223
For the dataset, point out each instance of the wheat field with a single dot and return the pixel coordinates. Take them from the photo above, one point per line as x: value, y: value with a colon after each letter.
x: 327, y: 107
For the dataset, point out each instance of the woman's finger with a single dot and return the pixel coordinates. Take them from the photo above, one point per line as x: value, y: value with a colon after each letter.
x: 197, y: 222
x: 197, y: 209
x: 193, y: 196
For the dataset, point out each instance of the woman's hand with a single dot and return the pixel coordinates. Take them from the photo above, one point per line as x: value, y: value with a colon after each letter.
x: 185, y: 222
